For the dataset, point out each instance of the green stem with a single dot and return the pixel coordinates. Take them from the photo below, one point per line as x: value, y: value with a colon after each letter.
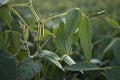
x: 59, y: 15
x: 19, y: 16
x: 45, y: 42
x: 39, y: 23
x: 18, y: 5
x: 25, y: 41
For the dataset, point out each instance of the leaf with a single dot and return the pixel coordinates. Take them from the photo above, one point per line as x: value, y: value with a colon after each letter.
x: 3, y: 2
x: 7, y: 66
x: 20, y: 56
x: 113, y: 22
x: 56, y: 74
x: 85, y: 36
x: 112, y: 43
x: 62, y: 44
x: 82, y: 66
x: 28, y: 69
x: 116, y: 50
x: 113, y: 73
x: 49, y: 56
x: 4, y: 15
x: 14, y: 40
x: 65, y: 30
x: 72, y: 22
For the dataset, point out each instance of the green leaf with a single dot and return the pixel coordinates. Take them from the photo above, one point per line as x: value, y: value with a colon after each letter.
x: 49, y: 56
x: 14, y: 40
x: 61, y: 42
x: 28, y: 69
x: 82, y: 66
x: 72, y: 22
x: 7, y: 66
x: 65, y: 30
x: 112, y: 43
x: 113, y: 73
x: 116, y: 50
x: 2, y: 42
x: 56, y: 74
x: 4, y: 15
x: 20, y: 56
x: 85, y: 36
x: 113, y: 22
x: 3, y: 2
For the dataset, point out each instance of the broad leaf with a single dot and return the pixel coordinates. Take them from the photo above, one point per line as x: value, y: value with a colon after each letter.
x: 116, y: 50
x: 7, y: 66
x: 28, y: 69
x: 82, y: 66
x: 113, y: 73
x: 60, y: 39
x: 85, y: 36
x: 3, y: 2
x: 66, y: 29
x: 49, y: 56
x: 72, y: 22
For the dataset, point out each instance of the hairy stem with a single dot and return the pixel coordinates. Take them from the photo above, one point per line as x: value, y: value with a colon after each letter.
x: 38, y: 21
x: 59, y: 15
x: 20, y: 17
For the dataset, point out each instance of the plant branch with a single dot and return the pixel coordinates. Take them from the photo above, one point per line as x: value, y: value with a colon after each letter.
x: 59, y: 15
x: 39, y: 23
x: 45, y: 42
x: 25, y: 38
x: 19, y: 16
x: 18, y: 5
